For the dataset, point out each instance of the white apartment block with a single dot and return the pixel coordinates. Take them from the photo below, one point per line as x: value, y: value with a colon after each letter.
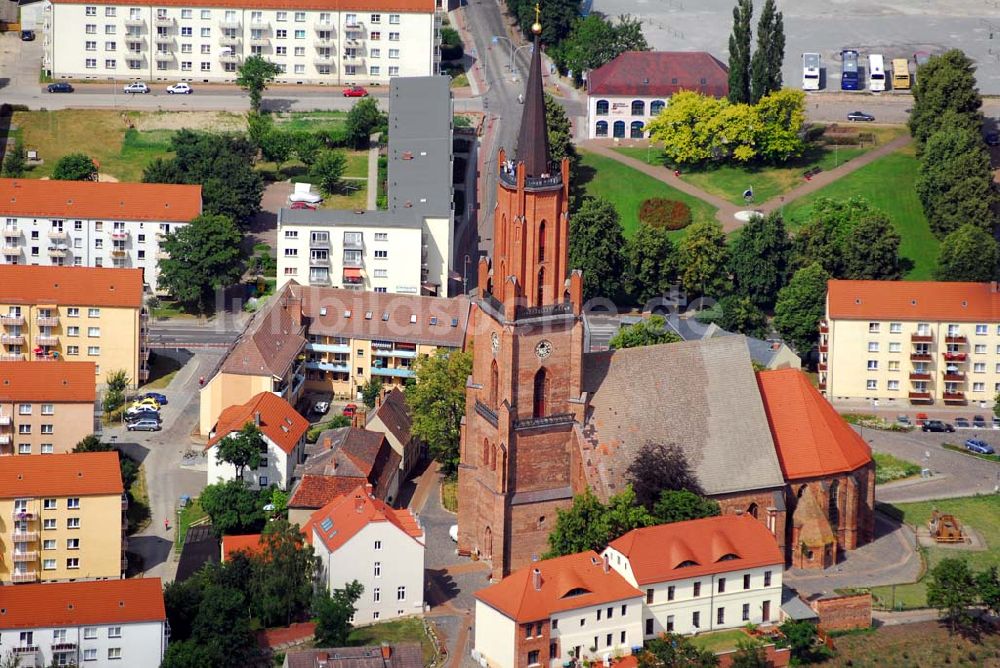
x: 92, y: 224
x: 354, y: 42
x: 103, y: 624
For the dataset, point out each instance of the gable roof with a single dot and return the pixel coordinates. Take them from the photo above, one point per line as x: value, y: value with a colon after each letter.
x: 279, y: 422
x: 272, y: 339
x: 338, y: 521
x: 710, y: 545
x: 100, y: 200
x: 811, y: 438
x: 913, y: 300
x: 567, y: 583
x: 401, y: 655
x: 342, y: 459
x: 68, y: 474
x: 60, y: 604
x: 690, y: 393
x: 317, y: 490
x: 52, y: 382
x: 70, y: 286
x: 252, y: 544
x: 660, y: 74
x: 395, y: 415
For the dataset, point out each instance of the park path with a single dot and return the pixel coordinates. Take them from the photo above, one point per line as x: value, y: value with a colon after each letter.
x: 726, y: 211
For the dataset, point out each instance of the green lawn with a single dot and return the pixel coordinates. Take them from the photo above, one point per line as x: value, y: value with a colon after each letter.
x: 888, y: 183
x: 719, y: 641
x: 409, y: 629
x: 357, y: 167
x: 191, y: 513
x: 138, y: 512
x: 628, y: 188
x: 889, y: 468
x: 449, y: 495
x: 162, y: 370
x: 311, y: 120
x: 980, y: 512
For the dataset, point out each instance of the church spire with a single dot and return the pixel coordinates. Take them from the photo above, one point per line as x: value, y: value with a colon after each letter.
x: 533, y: 138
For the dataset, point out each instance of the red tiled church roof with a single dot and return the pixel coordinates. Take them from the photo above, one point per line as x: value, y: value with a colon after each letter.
x: 660, y: 74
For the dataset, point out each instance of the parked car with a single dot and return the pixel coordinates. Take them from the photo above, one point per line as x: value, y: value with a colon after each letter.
x: 27, y: 35
x: 937, y: 425
x: 993, y: 138
x: 453, y: 532
x: 303, y: 205
x: 962, y: 423
x: 309, y: 198
x: 979, y: 421
x: 350, y: 410
x: 136, y: 87
x: 904, y: 420
x: 179, y: 89
x: 60, y: 87
x: 980, y: 446
x: 133, y: 410
x: 142, y: 415
x: 860, y: 116
x: 147, y: 401
x: 321, y: 407
x: 996, y: 421
x: 157, y: 397
x: 355, y: 91
x: 144, y: 425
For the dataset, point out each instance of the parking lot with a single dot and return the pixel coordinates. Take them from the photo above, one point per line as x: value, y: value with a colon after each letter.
x: 894, y: 28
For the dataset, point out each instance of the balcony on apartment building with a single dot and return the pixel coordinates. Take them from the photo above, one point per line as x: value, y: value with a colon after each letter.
x: 229, y: 57
x: 135, y: 45
x: 230, y: 40
x: 354, y: 59
x: 11, y: 232
x: 328, y: 365
x: 6, y: 420
x: 24, y: 650
x: 352, y: 276
x: 163, y: 22
x: 920, y: 375
x: 133, y: 22
x: 46, y: 340
x: 953, y: 397
x: 6, y: 439
x: 323, y: 58
x: 921, y: 396
x: 60, y: 250
x: 64, y: 646
x: 10, y: 250
x: 921, y: 338
x: 393, y: 372
x: 164, y: 57
x: 119, y: 234
x: 23, y: 514
x: 954, y: 357
x: 58, y: 235
x: 824, y: 347
x: 230, y: 24
x: 24, y: 556
x: 12, y: 339
x: 920, y: 356
x: 260, y: 40
x: 956, y: 376
x: 323, y: 42
x: 318, y: 276
x: 12, y: 357
x: 11, y: 320
x: 23, y: 535
x: 164, y: 39
x: 958, y: 339
x: 47, y: 321
x: 388, y: 349
x: 343, y: 348
x: 822, y: 366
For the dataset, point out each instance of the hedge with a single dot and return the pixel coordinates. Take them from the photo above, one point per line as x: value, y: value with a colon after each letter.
x: 668, y: 213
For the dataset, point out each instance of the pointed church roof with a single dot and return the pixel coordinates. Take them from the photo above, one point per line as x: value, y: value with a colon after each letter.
x: 533, y: 137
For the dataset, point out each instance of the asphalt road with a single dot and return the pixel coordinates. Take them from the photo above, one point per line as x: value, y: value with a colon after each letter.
x: 180, y: 332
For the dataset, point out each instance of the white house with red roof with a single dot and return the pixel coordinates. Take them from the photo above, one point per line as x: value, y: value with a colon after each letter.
x: 100, y: 623
x: 539, y: 614
x: 702, y: 575
x: 284, y: 432
x: 626, y: 93
x: 358, y: 537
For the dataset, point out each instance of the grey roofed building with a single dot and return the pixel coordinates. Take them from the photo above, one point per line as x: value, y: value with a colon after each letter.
x: 201, y: 546
x: 402, y: 655
x: 700, y: 395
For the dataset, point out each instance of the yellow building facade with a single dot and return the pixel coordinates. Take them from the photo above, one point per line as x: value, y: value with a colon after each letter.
x: 45, y: 407
x: 62, y: 517
x: 75, y: 314
x: 911, y: 343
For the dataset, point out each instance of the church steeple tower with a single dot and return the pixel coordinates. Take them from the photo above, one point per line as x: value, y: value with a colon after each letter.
x: 533, y: 138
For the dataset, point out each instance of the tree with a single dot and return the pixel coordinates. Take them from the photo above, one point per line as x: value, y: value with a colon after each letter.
x: 557, y: 20
x: 233, y: 507
x: 680, y: 505
x: 750, y: 653
x: 955, y: 181
x: 222, y: 623
x: 649, y: 331
x: 970, y: 253
x: 254, y: 75
x: 242, y: 449
x: 739, y: 52
x: 660, y: 467
x: 327, y: 171
x: 333, y: 614
x: 800, y: 306
x: 594, y: 41
x: 283, y: 574
x: 560, y: 132
x: 437, y: 403
x: 703, y: 258
x: 800, y: 637
x: 945, y: 83
x: 951, y: 588
x: 688, y: 127
x: 14, y: 164
x: 759, y: 259
x: 362, y: 120
x: 871, y: 252
x: 75, y: 167
x: 827, y: 239
x: 117, y: 384
x: 650, y: 264
x: 276, y: 146
x: 189, y: 654
x: 779, y: 117
x: 739, y: 314
x: 672, y: 650
x: 370, y: 391
x: 590, y: 525
x: 307, y: 146
x: 595, y: 247
x: 765, y: 66
x: 988, y: 584
x: 204, y: 256
x: 259, y: 125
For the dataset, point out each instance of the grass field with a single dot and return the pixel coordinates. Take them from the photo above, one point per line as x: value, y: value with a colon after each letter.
x: 138, y: 512
x: 980, y: 512
x: 162, y: 370
x: 357, y: 167
x: 627, y: 189
x: 410, y: 629
x: 191, y: 513
x: 889, y: 468
x: 920, y: 645
x: 719, y: 641
x: 310, y: 120
x: 888, y: 183
x: 449, y: 495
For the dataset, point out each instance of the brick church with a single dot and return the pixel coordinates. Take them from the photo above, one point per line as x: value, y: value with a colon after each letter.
x: 546, y: 419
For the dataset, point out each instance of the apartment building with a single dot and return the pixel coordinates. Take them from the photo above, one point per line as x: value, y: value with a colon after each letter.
x: 406, y: 249
x: 331, y: 340
x: 101, y: 624
x: 282, y: 429
x: 357, y: 537
x: 702, y: 575
x: 46, y: 407
x: 911, y: 342
x: 62, y: 517
x: 539, y: 614
x: 76, y: 314
x: 92, y: 224
x: 354, y: 42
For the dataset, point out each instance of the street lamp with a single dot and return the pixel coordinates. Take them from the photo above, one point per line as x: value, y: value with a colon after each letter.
x: 496, y: 39
x: 514, y: 55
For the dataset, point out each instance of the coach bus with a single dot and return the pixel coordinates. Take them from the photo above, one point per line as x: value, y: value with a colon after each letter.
x: 876, y: 73
x: 810, y: 71
x: 849, y: 73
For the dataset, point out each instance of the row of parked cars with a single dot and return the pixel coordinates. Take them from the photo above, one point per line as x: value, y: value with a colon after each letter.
x: 977, y: 445
x: 132, y: 88
x: 144, y: 413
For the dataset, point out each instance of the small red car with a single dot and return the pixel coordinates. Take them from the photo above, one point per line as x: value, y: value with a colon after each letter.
x: 303, y: 205
x: 355, y: 91
x: 350, y: 410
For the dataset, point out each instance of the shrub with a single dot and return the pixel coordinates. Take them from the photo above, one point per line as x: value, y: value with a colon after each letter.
x: 668, y: 213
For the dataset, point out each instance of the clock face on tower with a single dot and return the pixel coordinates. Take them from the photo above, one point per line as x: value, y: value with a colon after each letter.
x: 495, y: 342
x: 543, y: 349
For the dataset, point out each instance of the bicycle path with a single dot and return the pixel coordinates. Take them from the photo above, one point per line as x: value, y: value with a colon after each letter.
x: 726, y: 211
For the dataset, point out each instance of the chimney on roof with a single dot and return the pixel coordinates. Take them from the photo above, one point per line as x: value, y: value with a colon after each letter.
x: 607, y: 564
x: 359, y: 503
x: 369, y: 490
x: 256, y: 419
x: 536, y: 579
x: 386, y: 651
x: 322, y: 658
